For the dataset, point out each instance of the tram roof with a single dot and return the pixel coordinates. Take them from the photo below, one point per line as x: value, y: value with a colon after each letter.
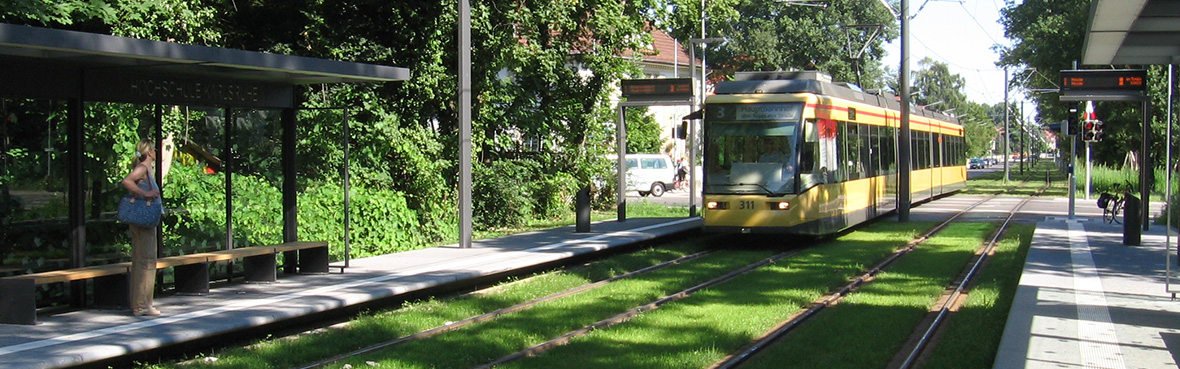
x: 816, y: 83
x: 71, y: 51
x: 1132, y: 32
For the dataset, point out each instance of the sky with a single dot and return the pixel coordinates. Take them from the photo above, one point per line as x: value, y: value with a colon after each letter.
x: 960, y: 34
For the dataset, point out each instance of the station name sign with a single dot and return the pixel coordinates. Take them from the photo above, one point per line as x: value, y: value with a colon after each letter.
x: 675, y: 89
x: 187, y: 91
x: 1104, y: 85
x: 221, y: 93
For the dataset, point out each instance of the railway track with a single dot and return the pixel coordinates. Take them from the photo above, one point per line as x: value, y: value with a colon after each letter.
x: 917, y: 345
x: 624, y: 316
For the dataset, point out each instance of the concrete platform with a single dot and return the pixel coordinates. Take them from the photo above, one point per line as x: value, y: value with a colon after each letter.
x: 93, y: 336
x: 1085, y: 300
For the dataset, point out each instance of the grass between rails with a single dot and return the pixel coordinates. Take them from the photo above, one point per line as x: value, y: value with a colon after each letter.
x: 972, y: 335
x: 698, y: 331
x: 868, y: 328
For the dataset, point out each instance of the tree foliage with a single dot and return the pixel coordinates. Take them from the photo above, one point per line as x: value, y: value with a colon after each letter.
x: 543, y: 79
x: 775, y: 35
x: 1048, y: 37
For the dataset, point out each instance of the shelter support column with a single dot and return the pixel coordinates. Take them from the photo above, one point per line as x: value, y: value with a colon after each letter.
x: 290, y: 206
x: 621, y: 138
x: 1146, y: 173
x: 75, y: 133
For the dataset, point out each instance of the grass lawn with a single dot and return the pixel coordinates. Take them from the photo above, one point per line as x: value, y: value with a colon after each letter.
x: 698, y: 331
x: 1018, y: 184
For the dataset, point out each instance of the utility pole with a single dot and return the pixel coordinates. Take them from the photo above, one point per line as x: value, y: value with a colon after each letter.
x: 465, y: 204
x: 1007, y: 152
x: 903, y: 139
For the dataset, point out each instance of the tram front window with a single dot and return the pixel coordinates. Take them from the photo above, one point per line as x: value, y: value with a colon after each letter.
x: 754, y: 158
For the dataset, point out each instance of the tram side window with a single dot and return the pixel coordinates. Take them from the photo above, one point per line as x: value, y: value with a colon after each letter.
x: 927, y: 150
x: 809, y: 167
x: 888, y: 150
x: 857, y: 150
x: 959, y: 158
x: 948, y: 153
x: 961, y: 155
x: 915, y: 147
x: 939, y: 148
x: 852, y: 163
x: 921, y: 151
x: 848, y: 154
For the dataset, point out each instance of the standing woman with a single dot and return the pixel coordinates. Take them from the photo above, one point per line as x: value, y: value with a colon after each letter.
x: 143, y: 239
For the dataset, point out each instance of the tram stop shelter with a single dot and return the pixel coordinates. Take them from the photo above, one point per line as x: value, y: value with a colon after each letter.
x: 1138, y: 32
x: 77, y: 67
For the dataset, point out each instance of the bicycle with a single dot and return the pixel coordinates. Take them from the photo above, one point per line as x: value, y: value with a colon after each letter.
x: 1112, y: 205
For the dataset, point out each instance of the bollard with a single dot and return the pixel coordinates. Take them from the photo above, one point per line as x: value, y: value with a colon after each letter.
x: 583, y: 210
x: 1132, y: 224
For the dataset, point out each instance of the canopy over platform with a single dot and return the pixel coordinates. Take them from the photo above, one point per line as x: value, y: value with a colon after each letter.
x: 51, y: 63
x: 1138, y: 32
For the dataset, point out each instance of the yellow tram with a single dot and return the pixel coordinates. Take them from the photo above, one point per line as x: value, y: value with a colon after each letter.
x: 793, y: 152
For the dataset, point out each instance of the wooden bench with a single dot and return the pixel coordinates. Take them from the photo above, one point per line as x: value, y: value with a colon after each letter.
x: 18, y: 294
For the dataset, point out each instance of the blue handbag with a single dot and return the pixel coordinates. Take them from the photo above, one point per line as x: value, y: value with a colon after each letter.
x: 140, y: 211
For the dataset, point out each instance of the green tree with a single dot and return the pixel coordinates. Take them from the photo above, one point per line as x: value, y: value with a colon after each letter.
x: 57, y: 13
x: 775, y: 35
x: 937, y: 87
x: 643, y: 132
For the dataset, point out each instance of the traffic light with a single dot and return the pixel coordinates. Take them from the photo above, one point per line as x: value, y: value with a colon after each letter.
x: 681, y: 131
x: 1088, y: 131
x: 1093, y: 130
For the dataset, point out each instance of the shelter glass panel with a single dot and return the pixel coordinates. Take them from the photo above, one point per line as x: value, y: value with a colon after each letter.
x: 33, y: 187
x: 324, y: 166
x: 257, y: 177
x: 194, y: 187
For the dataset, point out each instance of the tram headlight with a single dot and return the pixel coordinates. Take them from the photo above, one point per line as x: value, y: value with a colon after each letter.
x: 783, y: 205
x: 715, y: 205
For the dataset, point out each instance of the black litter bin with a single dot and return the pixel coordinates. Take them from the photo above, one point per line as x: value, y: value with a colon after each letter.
x: 583, y: 204
x: 1132, y: 222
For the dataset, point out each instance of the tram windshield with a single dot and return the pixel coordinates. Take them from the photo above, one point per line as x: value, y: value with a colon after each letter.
x: 754, y: 156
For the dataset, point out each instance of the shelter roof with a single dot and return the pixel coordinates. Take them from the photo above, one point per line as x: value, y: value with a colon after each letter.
x: 72, y: 50
x: 1135, y: 32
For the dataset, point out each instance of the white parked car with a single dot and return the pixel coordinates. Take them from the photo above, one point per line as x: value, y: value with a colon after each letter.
x: 649, y: 174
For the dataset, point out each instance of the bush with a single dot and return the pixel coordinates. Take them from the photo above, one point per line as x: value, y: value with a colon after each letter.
x: 381, y: 221
x: 555, y: 195
x: 502, y: 194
